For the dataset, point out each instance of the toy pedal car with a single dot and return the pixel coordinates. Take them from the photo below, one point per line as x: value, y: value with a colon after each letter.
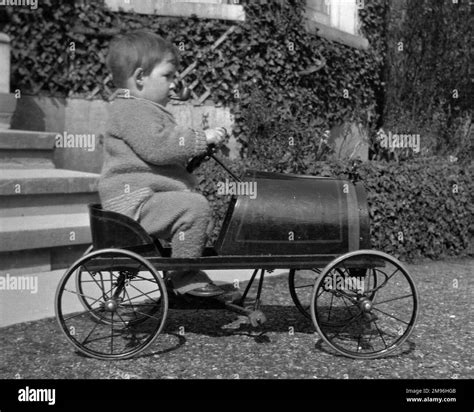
x: 112, y: 303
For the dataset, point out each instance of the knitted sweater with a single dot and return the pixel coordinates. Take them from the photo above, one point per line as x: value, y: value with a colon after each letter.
x: 145, y: 152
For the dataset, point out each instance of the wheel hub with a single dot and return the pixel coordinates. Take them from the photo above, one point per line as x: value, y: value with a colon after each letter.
x: 111, y: 305
x: 365, y: 305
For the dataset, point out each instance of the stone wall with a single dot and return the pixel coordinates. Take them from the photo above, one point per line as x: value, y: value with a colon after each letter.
x: 88, y: 117
x: 4, y: 63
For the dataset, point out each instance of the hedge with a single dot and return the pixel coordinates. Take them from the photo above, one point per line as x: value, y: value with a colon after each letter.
x: 421, y: 208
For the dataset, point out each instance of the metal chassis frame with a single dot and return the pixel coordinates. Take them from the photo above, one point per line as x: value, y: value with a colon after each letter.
x: 245, y: 262
x: 256, y: 263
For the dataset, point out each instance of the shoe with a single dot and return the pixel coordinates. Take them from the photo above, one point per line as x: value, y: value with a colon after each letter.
x: 210, y: 290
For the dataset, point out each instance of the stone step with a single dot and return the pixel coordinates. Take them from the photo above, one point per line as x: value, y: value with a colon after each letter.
x: 26, y: 149
x: 48, y: 231
x: 23, y: 182
x: 26, y: 159
x: 44, y: 221
x: 48, y: 204
x: 25, y: 139
x: 21, y: 262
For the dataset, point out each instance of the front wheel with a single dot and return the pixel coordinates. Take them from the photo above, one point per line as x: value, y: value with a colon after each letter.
x: 364, y: 304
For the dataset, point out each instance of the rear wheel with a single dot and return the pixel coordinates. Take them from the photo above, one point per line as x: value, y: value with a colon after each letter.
x: 83, y: 277
x: 364, y: 304
x: 111, y: 304
x: 301, y: 284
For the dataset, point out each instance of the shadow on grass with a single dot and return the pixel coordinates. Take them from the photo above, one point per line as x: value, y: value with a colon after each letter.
x: 280, y: 319
x: 213, y: 322
x: 181, y: 340
x: 408, y: 345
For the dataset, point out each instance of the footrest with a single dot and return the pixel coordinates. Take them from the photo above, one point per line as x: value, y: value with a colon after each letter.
x: 187, y: 301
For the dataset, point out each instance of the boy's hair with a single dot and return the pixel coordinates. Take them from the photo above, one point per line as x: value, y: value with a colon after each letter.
x: 140, y: 48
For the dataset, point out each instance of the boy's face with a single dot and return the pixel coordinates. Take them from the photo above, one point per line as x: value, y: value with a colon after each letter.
x: 156, y: 85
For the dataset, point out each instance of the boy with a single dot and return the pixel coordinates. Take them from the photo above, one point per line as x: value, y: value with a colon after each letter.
x: 144, y: 173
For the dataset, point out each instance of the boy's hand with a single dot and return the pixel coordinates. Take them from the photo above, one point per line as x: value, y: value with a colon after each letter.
x: 215, y: 136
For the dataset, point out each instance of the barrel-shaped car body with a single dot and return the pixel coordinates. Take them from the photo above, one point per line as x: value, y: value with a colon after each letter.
x: 284, y: 214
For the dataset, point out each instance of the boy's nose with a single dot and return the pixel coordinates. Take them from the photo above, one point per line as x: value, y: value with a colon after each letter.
x: 178, y: 91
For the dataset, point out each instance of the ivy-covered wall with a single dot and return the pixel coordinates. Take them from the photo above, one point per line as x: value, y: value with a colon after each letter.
x: 263, y: 71
x: 414, y: 78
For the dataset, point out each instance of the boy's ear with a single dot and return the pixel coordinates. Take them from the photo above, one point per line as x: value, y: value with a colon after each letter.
x: 138, y: 77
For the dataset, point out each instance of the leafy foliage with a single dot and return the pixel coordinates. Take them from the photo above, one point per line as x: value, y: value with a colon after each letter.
x: 423, y: 207
x: 302, y: 99
x: 429, y: 87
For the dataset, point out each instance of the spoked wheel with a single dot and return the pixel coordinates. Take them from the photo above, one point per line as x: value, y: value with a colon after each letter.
x: 364, y: 304
x: 301, y: 284
x: 111, y: 304
x: 83, y: 277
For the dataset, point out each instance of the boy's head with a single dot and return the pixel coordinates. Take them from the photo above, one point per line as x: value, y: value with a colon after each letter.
x: 144, y: 63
